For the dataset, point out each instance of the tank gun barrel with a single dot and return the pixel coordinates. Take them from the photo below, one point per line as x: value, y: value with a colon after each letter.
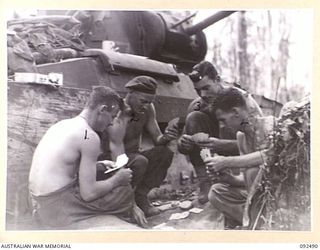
x: 207, y: 22
x: 183, y: 20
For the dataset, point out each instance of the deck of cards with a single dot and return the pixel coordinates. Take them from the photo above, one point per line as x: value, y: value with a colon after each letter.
x: 205, y: 153
x: 121, y: 161
x: 110, y: 166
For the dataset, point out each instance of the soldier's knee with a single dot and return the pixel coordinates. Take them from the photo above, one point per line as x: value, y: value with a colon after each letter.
x: 196, y: 122
x: 140, y: 160
x: 139, y: 164
x: 215, y: 192
x: 195, y: 116
x: 165, y: 152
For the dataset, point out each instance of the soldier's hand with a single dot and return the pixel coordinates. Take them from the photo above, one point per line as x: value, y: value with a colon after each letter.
x: 186, y: 142
x: 107, y: 164
x: 139, y: 217
x: 171, y: 132
x: 216, y: 163
x: 123, y: 176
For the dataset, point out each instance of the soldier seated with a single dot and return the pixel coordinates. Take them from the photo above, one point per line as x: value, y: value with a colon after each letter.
x: 201, y: 118
x: 140, y: 117
x: 62, y: 179
x: 230, y: 195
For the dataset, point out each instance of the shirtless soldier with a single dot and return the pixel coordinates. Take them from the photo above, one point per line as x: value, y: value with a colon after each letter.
x: 62, y: 180
x: 140, y: 117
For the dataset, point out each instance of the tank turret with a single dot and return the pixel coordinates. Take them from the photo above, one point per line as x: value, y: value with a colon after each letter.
x: 166, y: 36
x: 160, y: 35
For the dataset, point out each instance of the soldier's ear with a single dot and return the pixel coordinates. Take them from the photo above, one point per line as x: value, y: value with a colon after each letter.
x: 103, y: 108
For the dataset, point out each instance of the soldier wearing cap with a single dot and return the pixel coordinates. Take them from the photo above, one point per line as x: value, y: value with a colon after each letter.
x: 137, y: 118
x: 201, y: 118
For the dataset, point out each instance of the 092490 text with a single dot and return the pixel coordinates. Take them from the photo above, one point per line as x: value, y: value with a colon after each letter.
x: 309, y: 246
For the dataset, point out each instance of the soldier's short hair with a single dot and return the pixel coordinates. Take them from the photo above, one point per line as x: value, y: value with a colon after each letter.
x: 202, y: 69
x: 228, y: 99
x: 102, y: 95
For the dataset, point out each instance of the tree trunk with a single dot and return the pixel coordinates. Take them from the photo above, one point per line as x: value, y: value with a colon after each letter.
x: 243, y: 65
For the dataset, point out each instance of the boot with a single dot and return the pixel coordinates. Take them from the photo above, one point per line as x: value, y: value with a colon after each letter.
x: 231, y: 224
x: 143, y: 203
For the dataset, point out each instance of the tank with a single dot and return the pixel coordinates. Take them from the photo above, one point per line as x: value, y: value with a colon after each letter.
x: 115, y: 46
x: 109, y: 48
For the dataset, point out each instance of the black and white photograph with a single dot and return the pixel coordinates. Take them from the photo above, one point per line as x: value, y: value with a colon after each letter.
x: 159, y: 120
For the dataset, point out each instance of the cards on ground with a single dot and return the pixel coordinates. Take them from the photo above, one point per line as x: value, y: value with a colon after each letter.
x: 168, y: 206
x: 178, y: 216
x: 163, y: 226
x: 185, y: 205
x: 196, y: 210
x: 121, y: 161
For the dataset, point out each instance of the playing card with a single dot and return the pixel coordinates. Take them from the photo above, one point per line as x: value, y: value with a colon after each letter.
x: 205, y: 153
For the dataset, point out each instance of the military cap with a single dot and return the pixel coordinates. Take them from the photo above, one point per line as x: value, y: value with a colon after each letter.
x: 144, y: 84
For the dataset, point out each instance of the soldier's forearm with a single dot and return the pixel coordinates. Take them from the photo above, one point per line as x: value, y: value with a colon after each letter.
x: 247, y: 161
x: 97, y: 189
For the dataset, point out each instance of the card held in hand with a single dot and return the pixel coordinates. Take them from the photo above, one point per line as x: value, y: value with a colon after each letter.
x: 205, y: 153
